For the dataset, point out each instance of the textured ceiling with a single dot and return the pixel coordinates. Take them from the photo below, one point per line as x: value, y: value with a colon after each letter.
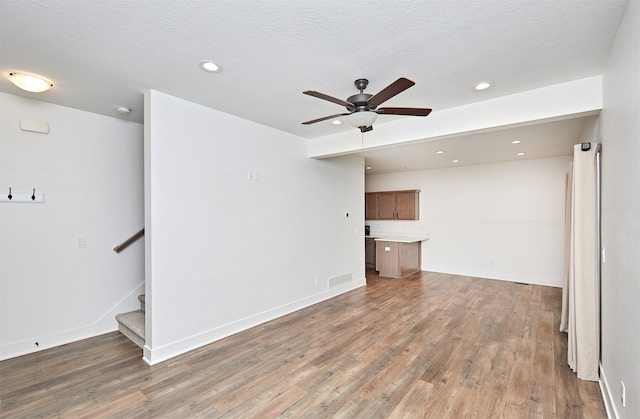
x: 101, y: 54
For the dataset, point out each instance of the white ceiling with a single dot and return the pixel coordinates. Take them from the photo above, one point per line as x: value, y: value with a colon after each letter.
x: 550, y: 139
x: 102, y: 54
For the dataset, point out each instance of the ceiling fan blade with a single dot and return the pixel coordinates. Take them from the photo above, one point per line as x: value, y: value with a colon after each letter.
x: 366, y: 129
x: 404, y: 111
x: 313, y: 121
x: 329, y: 98
x: 390, y: 91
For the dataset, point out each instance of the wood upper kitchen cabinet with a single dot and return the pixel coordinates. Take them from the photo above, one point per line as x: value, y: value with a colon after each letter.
x: 386, y: 206
x: 392, y: 205
x: 370, y: 206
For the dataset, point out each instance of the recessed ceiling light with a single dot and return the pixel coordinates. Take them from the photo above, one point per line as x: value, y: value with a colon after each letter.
x: 337, y: 122
x: 210, y: 66
x: 516, y: 142
x: 483, y: 85
x: 520, y: 154
x: 30, y: 82
x: 455, y: 161
x: 368, y: 167
x: 440, y: 152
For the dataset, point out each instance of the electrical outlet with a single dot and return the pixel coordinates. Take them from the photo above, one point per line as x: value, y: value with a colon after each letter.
x: 81, y: 242
x: 251, y: 175
x: 623, y: 397
x: 317, y: 279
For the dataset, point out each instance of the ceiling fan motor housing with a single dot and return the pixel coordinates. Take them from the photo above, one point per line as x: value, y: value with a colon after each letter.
x: 360, y: 101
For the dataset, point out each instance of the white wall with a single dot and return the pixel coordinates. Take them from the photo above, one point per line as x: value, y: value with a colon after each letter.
x: 620, y: 125
x: 501, y: 221
x: 225, y: 253
x: 89, y: 168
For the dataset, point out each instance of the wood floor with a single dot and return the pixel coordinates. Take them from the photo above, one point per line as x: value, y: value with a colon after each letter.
x: 426, y: 346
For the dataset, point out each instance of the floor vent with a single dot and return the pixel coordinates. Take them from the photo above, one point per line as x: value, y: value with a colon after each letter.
x: 339, y: 280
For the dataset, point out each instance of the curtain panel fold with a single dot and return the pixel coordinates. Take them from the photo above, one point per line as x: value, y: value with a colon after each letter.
x: 580, y: 293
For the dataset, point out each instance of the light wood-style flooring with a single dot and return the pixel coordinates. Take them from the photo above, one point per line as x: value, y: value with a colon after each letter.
x: 425, y: 346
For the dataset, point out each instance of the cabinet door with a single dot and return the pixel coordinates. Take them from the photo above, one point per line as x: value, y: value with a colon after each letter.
x: 370, y: 206
x: 407, y: 206
x: 370, y: 252
x: 386, y: 206
x: 387, y: 259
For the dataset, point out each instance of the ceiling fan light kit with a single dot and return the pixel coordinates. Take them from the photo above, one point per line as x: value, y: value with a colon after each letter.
x: 362, y: 119
x: 363, y: 107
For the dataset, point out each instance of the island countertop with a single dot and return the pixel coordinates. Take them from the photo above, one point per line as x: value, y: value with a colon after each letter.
x: 398, y: 238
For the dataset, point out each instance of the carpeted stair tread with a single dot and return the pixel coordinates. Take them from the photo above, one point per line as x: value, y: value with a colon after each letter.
x: 131, y: 325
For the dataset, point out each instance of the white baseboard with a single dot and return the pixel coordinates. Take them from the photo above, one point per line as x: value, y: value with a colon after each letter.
x: 605, y: 389
x: 104, y: 324
x: 501, y: 276
x: 153, y: 356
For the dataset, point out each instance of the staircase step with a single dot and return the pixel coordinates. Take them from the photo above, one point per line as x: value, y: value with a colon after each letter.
x: 131, y: 325
x: 141, y: 299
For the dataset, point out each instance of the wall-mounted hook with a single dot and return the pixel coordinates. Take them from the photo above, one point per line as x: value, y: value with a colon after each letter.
x: 23, y: 196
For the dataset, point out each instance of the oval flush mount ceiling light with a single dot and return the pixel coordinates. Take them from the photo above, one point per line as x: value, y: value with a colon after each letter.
x: 337, y: 122
x: 210, y: 66
x: 30, y: 82
x: 483, y: 85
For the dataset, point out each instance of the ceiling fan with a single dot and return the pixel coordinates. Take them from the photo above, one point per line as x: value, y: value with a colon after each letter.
x: 363, y: 107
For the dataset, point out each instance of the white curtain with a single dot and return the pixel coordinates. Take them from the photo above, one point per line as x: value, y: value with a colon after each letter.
x: 580, y: 294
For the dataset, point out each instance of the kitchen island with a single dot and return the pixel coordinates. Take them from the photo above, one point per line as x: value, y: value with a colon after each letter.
x: 398, y: 256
